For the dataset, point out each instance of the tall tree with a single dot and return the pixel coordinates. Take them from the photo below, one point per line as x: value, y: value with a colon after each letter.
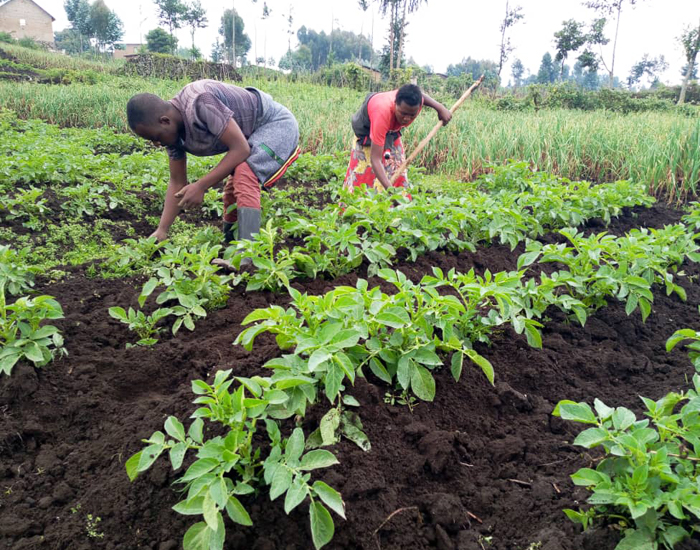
x: 412, y: 6
x: 196, y: 18
x: 608, y: 8
x: 159, y: 41
x: 690, y: 40
x: 289, y: 18
x: 569, y: 39
x: 234, y: 27
x: 69, y: 41
x: 511, y: 17
x: 217, y: 51
x: 517, y: 70
x: 78, y: 13
x: 548, y: 70
x: 398, y: 10
x: 171, y: 13
x: 264, y: 17
x: 651, y: 67
x: 106, y: 25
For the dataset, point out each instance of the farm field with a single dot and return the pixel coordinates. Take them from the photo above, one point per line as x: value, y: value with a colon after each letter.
x: 386, y: 376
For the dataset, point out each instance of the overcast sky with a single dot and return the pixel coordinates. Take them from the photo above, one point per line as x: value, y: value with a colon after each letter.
x: 441, y: 32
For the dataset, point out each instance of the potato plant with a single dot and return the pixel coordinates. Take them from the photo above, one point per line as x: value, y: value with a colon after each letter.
x: 16, y: 274
x: 27, y: 205
x: 232, y: 465
x: 691, y: 339
x: 142, y: 324
x: 337, y: 239
x: 134, y: 256
x: 22, y: 335
x: 602, y: 266
x: 647, y: 480
x: 398, y: 337
x: 191, y: 284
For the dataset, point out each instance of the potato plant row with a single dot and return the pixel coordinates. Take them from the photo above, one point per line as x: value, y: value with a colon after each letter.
x: 327, y: 341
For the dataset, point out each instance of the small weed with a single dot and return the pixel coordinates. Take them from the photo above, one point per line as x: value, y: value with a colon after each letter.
x: 401, y: 399
x: 91, y: 523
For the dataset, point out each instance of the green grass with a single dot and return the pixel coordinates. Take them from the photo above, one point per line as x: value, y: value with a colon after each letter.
x: 42, y: 59
x: 661, y: 149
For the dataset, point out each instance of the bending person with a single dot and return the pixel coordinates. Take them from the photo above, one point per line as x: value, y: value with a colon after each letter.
x: 207, y: 117
x: 378, y: 151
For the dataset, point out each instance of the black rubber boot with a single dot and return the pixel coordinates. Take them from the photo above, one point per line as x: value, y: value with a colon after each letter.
x: 248, y: 222
x: 228, y: 232
x: 248, y: 227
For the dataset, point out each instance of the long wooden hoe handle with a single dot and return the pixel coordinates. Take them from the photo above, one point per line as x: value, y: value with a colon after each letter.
x: 434, y: 131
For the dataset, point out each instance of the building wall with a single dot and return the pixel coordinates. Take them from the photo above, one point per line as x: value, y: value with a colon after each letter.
x: 376, y: 76
x: 37, y: 23
x: 129, y: 49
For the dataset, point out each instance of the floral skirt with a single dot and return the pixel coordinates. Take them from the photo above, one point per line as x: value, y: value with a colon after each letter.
x: 360, y: 168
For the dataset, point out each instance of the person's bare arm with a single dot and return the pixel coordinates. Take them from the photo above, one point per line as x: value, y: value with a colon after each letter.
x: 178, y: 180
x: 444, y: 114
x: 238, y: 150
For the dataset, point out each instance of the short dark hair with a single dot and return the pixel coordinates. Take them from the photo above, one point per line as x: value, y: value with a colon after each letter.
x: 145, y: 110
x: 409, y: 94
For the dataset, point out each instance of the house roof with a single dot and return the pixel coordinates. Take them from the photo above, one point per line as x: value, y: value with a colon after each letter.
x: 32, y: 1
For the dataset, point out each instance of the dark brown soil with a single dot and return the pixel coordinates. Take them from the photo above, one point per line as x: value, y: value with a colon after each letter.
x: 482, y: 467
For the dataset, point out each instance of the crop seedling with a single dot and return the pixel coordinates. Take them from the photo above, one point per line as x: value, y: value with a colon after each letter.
x: 21, y: 333
x: 231, y: 465
x: 402, y: 398
x: 132, y: 257
x: 192, y: 284
x: 88, y: 199
x: 144, y: 325
x: 16, y: 271
x: 27, y: 205
x: 685, y: 335
x: 647, y: 480
x: 272, y: 273
x: 340, y: 422
x: 91, y: 523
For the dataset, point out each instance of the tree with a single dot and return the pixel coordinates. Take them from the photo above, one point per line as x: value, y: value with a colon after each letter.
x: 412, y: 6
x: 510, y: 19
x: 569, y: 39
x: 289, y: 18
x: 241, y: 45
x: 397, y: 10
x: 264, y: 17
x: 690, y: 40
x: 548, y: 71
x: 475, y: 68
x: 159, y: 41
x: 171, y: 13
x: 78, y: 13
x: 70, y: 41
x: 217, y: 51
x: 297, y: 60
x: 610, y: 7
x: 652, y: 68
x: 517, y: 70
x: 106, y: 25
x: 196, y: 18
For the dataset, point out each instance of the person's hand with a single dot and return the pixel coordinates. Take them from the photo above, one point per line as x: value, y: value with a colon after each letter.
x: 191, y: 196
x: 159, y: 234
x: 445, y: 115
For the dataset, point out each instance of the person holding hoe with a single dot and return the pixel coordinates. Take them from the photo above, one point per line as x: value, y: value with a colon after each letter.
x: 207, y: 117
x: 378, y: 151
